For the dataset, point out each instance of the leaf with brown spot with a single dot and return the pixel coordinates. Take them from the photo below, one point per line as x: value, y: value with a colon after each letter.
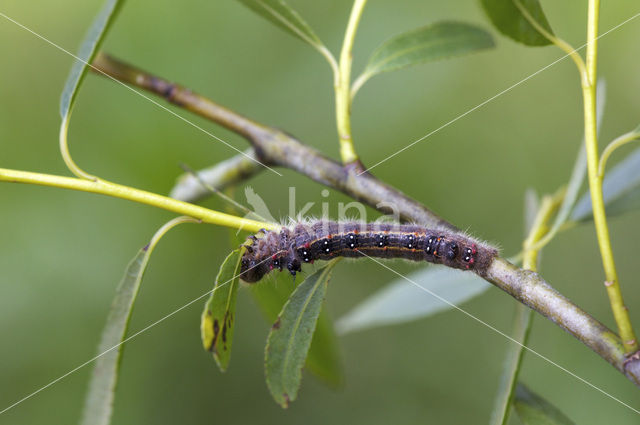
x: 217, y: 318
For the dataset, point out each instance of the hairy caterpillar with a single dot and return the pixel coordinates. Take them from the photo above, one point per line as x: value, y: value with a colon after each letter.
x: 323, y: 240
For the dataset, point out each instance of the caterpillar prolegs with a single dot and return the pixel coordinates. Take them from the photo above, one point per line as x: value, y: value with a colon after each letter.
x: 323, y: 240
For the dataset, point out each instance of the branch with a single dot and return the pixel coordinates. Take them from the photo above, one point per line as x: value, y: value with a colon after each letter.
x: 219, y: 176
x: 274, y: 147
x: 530, y: 289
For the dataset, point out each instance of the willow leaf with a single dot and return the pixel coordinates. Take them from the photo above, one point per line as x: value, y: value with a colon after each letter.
x: 284, y: 17
x: 534, y: 410
x: 402, y: 301
x: 88, y: 50
x: 98, y: 405
x: 323, y: 359
x: 507, y: 18
x: 427, y: 44
x: 620, y: 190
x: 218, y: 317
x: 290, y: 337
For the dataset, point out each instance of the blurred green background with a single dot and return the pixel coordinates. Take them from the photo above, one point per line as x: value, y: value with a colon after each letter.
x: 63, y: 253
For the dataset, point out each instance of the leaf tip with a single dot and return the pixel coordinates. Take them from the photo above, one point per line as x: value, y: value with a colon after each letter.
x: 285, y: 401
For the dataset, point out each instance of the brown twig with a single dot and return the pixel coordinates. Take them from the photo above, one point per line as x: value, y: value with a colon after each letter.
x: 275, y: 147
x: 533, y: 291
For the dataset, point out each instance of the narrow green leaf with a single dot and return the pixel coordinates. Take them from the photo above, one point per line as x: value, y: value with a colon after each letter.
x: 401, y: 301
x: 513, y: 361
x: 620, y: 188
x: 88, y: 50
x: 508, y: 19
x: 102, y: 386
x: 534, y: 410
x: 99, y: 401
x: 324, y: 359
x: 427, y: 44
x: 290, y: 337
x: 629, y: 202
x: 522, y: 321
x: 280, y: 14
x: 218, y: 317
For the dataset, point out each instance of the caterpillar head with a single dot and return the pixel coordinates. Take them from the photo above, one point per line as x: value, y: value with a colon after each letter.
x: 251, y: 270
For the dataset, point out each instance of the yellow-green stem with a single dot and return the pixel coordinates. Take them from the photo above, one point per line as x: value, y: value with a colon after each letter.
x: 588, y: 75
x: 64, y: 151
x: 539, y: 229
x: 125, y: 192
x: 558, y: 42
x: 166, y: 227
x: 343, y: 86
x: 611, y: 147
x: 620, y: 311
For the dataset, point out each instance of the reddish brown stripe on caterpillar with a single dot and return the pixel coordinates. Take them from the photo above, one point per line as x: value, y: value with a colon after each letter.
x: 323, y: 240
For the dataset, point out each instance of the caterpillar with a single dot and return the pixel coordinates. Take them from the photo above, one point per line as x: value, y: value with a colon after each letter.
x: 323, y: 240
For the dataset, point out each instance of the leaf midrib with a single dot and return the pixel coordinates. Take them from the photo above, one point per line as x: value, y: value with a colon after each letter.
x: 377, y: 67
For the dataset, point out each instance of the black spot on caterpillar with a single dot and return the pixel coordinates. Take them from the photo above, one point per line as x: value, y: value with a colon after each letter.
x: 323, y: 240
